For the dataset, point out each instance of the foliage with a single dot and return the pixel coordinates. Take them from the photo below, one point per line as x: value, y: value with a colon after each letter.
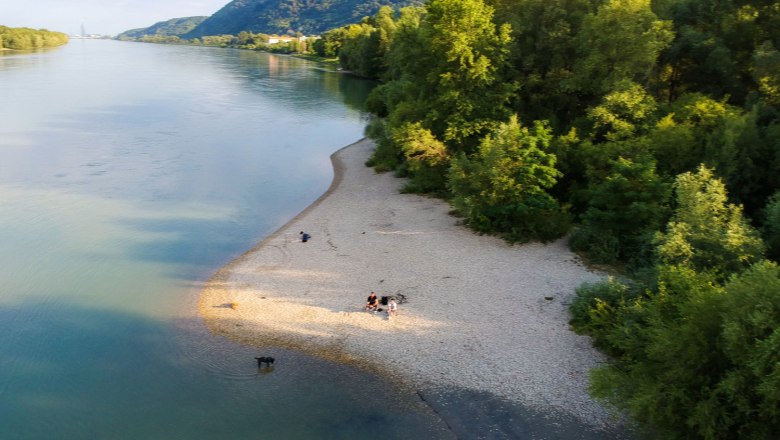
x: 766, y: 72
x: 443, y: 72
x: 697, y: 352
x: 289, y: 16
x: 26, y: 38
x: 709, y: 367
x: 706, y: 233
x: 620, y: 42
x: 425, y: 156
x: 465, y: 54
x: 716, y: 47
x: 772, y: 226
x: 624, y: 113
x: 502, y: 187
x: 624, y: 211
x: 614, y: 100
x: 244, y: 40
x: 594, y: 309
x: 543, y: 53
x: 364, y: 46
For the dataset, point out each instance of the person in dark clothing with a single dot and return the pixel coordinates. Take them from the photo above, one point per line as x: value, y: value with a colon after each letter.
x: 372, y: 304
x: 305, y: 237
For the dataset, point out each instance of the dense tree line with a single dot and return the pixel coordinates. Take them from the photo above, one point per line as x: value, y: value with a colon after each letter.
x: 26, y: 38
x: 244, y: 40
x: 647, y: 130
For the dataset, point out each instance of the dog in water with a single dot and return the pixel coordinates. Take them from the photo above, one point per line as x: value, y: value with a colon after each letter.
x: 264, y: 360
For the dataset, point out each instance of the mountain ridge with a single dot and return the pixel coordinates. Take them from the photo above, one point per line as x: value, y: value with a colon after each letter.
x: 289, y: 16
x: 172, y: 27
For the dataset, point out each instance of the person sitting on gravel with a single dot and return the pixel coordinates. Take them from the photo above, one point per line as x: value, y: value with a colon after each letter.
x: 392, y: 308
x: 372, y: 304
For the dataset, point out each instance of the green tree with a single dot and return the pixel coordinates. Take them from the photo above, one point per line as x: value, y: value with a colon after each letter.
x: 543, y: 52
x: 707, y: 233
x: 766, y: 72
x: 444, y: 70
x: 624, y: 212
x: 330, y: 42
x: 772, y: 227
x: 708, y: 365
x: 425, y: 156
x: 359, y: 49
x: 627, y: 111
x: 467, y: 54
x: 621, y: 41
x: 26, y: 38
x: 502, y: 187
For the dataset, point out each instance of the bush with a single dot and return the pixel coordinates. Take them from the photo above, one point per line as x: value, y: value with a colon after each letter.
x: 705, y: 363
x: 596, y: 309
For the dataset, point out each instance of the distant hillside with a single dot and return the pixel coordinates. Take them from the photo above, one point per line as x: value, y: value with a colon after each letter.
x: 289, y: 16
x: 172, y: 27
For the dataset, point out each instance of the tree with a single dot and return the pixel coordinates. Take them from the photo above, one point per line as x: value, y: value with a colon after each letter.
x: 766, y: 72
x: 706, y: 365
x: 625, y: 112
x: 502, y: 187
x: 624, y: 212
x: 706, y: 233
x: 622, y: 41
x: 26, y: 38
x: 543, y: 52
x: 772, y: 227
x: 444, y: 70
x: 467, y: 53
x: 426, y: 157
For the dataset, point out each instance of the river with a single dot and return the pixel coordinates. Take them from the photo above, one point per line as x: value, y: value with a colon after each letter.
x: 129, y: 173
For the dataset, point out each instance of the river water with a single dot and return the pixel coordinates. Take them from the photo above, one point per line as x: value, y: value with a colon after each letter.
x: 129, y: 173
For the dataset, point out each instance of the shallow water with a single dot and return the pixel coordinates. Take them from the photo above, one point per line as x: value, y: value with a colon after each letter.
x: 128, y: 174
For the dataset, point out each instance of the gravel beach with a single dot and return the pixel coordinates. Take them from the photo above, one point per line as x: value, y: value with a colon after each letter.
x: 475, y: 313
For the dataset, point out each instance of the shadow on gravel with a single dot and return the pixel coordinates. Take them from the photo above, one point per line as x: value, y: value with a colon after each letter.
x: 480, y: 415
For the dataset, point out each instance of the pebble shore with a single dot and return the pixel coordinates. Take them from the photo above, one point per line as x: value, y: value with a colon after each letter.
x: 476, y: 313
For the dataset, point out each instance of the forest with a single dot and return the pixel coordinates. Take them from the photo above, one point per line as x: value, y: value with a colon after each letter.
x: 244, y: 40
x: 26, y: 38
x: 648, y: 133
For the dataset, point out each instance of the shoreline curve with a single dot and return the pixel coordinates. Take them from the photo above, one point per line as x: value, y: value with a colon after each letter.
x: 476, y: 313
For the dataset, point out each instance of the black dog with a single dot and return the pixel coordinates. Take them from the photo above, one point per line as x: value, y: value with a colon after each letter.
x: 264, y: 360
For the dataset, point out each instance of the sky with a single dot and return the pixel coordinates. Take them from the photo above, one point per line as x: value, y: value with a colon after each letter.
x: 108, y: 17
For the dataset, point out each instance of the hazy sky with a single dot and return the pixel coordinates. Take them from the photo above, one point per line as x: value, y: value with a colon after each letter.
x: 99, y: 16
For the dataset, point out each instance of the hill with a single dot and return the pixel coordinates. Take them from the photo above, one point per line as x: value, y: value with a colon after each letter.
x: 172, y: 27
x: 289, y: 16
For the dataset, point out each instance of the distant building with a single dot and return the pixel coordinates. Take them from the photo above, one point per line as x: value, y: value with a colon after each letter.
x: 275, y: 39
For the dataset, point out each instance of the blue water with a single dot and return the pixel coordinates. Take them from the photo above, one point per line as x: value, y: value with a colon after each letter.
x: 129, y: 173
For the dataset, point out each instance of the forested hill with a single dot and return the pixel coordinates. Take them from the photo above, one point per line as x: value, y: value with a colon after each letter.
x: 283, y: 16
x: 174, y: 26
x: 26, y: 38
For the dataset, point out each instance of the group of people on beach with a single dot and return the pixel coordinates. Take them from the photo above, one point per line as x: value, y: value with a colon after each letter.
x: 372, y: 305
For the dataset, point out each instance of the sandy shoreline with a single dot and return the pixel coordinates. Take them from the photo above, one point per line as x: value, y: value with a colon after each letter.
x: 479, y: 314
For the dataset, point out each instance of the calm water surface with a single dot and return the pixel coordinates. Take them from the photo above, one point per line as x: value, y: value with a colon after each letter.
x: 128, y: 174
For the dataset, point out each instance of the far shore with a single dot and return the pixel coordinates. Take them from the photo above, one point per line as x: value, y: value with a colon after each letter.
x: 475, y: 313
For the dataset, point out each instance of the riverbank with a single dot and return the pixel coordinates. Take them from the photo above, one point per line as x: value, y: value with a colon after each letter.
x: 477, y: 315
